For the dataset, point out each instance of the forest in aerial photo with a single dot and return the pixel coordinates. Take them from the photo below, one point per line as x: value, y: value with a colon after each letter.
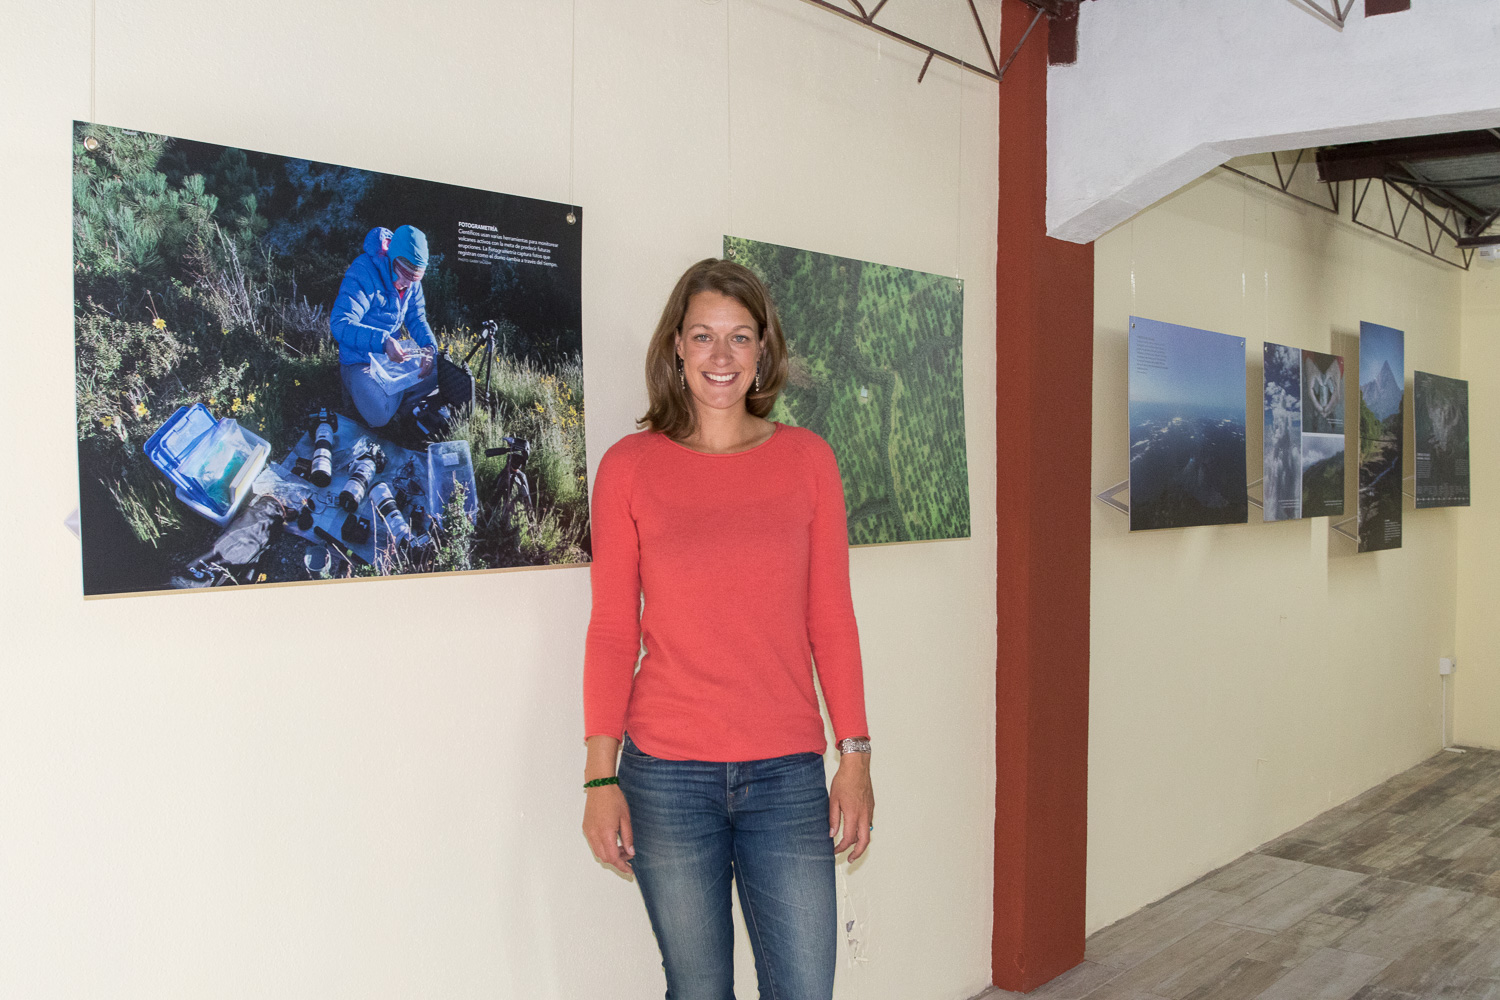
x: 877, y: 371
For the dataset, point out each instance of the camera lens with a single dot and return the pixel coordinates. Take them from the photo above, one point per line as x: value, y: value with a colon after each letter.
x: 322, y: 460
x: 368, y: 460
x: 385, y: 505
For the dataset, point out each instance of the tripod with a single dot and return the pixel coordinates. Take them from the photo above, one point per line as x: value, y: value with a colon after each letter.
x: 511, y: 490
x: 486, y: 343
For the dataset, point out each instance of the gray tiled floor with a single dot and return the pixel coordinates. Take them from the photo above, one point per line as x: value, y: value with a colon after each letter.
x: 1394, y: 895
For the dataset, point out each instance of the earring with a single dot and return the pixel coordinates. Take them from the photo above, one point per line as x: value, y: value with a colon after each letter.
x: 757, y: 376
x: 681, y: 378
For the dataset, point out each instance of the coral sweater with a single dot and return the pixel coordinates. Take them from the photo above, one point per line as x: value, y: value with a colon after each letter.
x: 744, y: 563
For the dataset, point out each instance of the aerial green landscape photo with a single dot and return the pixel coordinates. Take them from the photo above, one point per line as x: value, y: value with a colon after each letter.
x: 877, y: 370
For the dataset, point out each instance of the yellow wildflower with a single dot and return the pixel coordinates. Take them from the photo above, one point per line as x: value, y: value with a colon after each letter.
x: 250, y: 398
x: 108, y: 421
x: 159, y: 323
x: 210, y: 401
x: 140, y: 409
x: 235, y: 406
x: 261, y: 578
x: 296, y: 381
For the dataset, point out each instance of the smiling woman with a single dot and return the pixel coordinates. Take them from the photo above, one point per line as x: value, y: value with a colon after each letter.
x: 714, y: 301
x: 705, y: 765
x: 718, y: 351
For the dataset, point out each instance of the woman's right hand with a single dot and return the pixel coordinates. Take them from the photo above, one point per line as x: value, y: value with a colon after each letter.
x: 393, y: 350
x: 606, y: 826
x: 606, y: 817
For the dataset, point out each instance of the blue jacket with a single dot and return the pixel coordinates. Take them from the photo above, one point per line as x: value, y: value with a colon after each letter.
x: 368, y: 309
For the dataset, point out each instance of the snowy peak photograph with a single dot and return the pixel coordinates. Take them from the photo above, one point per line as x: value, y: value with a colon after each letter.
x: 1187, y: 426
x: 1382, y: 380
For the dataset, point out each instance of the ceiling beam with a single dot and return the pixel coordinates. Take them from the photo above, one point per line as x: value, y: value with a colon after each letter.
x: 867, y: 18
x: 1359, y: 160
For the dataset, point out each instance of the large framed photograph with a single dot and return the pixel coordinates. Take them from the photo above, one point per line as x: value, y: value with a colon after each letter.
x: 1187, y: 426
x: 877, y: 371
x: 290, y: 370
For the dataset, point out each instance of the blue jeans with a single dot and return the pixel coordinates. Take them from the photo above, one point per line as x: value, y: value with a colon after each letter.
x: 375, y: 407
x: 762, y: 824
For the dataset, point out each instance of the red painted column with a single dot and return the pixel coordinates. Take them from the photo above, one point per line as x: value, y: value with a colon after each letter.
x: 1044, y: 341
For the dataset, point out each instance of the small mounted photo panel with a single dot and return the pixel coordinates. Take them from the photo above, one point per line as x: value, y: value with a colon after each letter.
x: 1304, y: 434
x: 1283, y: 433
x: 1323, y: 411
x: 1382, y: 391
x: 1442, y: 446
x: 1187, y: 426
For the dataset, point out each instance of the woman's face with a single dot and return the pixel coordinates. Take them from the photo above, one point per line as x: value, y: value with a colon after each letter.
x: 404, y: 274
x: 719, y: 345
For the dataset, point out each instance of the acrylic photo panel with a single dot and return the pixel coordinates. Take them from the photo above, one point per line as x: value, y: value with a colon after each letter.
x: 1382, y: 391
x: 1282, y: 437
x: 1187, y: 426
x: 1323, y: 444
x: 1441, y: 422
x: 1303, y: 434
x: 226, y: 437
x: 877, y: 371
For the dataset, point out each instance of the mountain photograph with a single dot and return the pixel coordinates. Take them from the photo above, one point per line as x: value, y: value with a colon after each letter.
x: 1187, y: 427
x: 1382, y: 376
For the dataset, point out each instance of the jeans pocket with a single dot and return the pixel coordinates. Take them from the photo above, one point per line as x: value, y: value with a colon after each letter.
x: 628, y: 747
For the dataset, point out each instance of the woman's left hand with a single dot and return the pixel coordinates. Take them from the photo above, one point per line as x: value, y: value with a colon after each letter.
x: 851, y: 803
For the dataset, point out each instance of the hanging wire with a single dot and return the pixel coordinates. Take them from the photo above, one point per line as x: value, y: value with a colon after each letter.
x: 958, y: 219
x: 728, y: 126
x: 93, y: 57
x: 573, y: 117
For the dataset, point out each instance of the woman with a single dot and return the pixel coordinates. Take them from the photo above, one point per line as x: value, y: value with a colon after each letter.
x: 733, y: 528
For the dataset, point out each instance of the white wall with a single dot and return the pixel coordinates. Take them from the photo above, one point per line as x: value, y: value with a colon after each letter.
x: 1476, y: 682
x: 1247, y: 677
x: 1165, y: 90
x: 198, y: 795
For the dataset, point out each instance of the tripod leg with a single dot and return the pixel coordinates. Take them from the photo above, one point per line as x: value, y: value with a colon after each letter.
x: 489, y: 372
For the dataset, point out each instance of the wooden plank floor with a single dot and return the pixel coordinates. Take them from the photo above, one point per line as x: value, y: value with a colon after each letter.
x: 1394, y: 895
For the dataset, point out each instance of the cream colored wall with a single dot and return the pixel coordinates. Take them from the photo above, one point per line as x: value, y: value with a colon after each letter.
x: 1476, y: 681
x: 204, y: 794
x: 1245, y: 678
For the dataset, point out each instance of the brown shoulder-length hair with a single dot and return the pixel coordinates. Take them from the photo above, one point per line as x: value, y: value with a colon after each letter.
x: 671, y: 407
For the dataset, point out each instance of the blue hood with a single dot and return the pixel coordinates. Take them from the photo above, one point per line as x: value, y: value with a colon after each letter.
x: 376, y: 240
x: 368, y: 308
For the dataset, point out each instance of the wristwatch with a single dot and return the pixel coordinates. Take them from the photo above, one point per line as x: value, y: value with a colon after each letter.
x: 854, y: 744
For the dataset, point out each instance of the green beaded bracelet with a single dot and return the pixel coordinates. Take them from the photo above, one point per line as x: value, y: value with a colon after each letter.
x: 601, y: 782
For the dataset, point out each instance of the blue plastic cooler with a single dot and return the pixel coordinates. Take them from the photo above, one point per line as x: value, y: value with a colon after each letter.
x: 211, y: 462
